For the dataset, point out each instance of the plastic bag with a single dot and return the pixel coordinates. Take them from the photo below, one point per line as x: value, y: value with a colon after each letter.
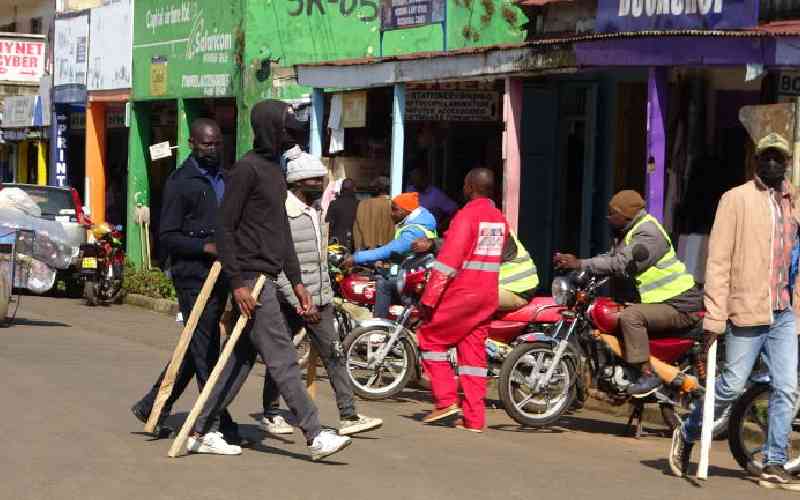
x: 17, y: 199
x: 49, y: 244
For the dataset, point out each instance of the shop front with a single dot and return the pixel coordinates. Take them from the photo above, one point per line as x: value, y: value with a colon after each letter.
x: 23, y: 150
x: 184, y: 67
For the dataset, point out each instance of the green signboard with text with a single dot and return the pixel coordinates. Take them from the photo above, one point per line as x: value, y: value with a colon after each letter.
x: 185, y: 48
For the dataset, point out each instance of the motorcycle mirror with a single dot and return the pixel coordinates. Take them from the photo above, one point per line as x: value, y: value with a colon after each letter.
x: 118, y: 227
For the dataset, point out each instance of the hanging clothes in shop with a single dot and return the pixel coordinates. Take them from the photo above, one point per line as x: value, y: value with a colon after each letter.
x: 336, y: 125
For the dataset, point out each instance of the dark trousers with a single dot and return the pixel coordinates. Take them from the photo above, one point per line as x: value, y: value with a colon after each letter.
x: 326, y: 341
x: 639, y: 319
x: 385, y: 291
x: 266, y: 334
x: 203, y: 349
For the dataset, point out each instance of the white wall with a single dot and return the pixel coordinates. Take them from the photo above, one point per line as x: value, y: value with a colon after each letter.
x: 22, y: 11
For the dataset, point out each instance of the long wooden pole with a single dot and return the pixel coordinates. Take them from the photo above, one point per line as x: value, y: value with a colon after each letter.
x: 190, y: 325
x: 707, y: 432
x: 180, y: 440
x: 311, y: 371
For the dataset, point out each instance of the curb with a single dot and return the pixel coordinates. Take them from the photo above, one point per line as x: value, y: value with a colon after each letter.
x: 164, y: 306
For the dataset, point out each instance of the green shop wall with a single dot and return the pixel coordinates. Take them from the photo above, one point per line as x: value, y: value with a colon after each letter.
x: 282, y: 33
x: 183, y: 50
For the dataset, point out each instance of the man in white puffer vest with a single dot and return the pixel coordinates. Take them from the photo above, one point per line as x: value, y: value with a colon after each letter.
x: 304, y: 175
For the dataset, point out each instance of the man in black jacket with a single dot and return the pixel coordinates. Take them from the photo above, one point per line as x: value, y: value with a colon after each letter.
x: 342, y: 214
x: 192, y: 197
x: 254, y: 239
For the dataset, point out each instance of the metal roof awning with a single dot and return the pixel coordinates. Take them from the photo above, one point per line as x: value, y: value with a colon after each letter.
x: 478, y: 62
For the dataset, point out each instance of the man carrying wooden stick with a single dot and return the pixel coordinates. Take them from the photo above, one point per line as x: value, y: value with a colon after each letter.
x: 747, y: 293
x: 192, y: 198
x: 255, y: 239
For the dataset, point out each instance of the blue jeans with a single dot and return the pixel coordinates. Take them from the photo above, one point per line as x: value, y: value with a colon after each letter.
x: 743, y: 345
x: 385, y: 291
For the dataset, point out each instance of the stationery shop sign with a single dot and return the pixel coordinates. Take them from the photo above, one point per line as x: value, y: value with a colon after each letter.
x: 658, y: 15
x: 453, y: 105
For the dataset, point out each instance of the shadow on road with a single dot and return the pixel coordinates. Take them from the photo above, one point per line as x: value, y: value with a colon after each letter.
x: 38, y: 322
x: 581, y: 424
x: 662, y: 465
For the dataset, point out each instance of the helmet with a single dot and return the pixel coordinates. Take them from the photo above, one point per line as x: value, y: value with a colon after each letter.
x: 337, y: 254
x: 100, y: 230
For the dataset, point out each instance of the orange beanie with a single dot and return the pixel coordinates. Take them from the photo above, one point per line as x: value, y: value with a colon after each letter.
x: 407, y: 201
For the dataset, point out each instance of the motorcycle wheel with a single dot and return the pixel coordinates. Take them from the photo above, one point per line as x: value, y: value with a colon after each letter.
x: 90, y: 293
x: 394, y: 374
x: 529, y: 409
x: 747, y: 428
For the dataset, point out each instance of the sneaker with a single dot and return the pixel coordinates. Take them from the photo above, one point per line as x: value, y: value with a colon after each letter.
x: 276, y: 424
x: 647, y: 384
x: 461, y: 425
x: 359, y: 423
x: 792, y: 466
x: 775, y: 477
x: 142, y: 414
x: 680, y: 453
x: 212, y: 442
x: 440, y: 414
x: 327, y: 443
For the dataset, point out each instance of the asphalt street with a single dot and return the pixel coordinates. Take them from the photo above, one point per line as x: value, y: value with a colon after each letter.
x: 70, y: 374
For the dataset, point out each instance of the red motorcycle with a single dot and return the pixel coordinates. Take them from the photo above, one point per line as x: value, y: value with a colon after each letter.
x: 103, y: 265
x: 549, y: 371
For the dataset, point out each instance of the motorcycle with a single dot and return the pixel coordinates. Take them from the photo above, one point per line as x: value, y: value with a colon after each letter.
x: 547, y: 373
x: 102, y: 265
x: 383, y: 354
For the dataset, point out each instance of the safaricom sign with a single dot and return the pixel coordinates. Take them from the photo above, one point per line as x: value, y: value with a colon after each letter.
x: 642, y: 15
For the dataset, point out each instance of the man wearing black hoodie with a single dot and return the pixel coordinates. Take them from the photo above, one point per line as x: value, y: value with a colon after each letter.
x: 254, y: 238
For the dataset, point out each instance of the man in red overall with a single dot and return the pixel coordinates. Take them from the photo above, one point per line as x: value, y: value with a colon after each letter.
x: 460, y: 299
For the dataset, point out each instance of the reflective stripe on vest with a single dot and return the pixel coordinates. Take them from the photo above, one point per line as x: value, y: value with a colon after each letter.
x: 667, y: 278
x: 444, y: 268
x: 480, y: 265
x: 428, y: 233
x: 519, y: 274
x: 472, y: 371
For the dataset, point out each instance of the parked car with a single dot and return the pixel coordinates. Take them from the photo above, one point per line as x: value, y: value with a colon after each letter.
x: 62, y: 205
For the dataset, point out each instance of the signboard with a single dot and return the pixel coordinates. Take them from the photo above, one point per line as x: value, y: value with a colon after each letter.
x: 18, y: 111
x: 354, y: 110
x: 110, y: 47
x: 187, y: 49
x: 453, y: 105
x: 71, y: 50
x: 75, y: 5
x: 789, y: 84
x: 644, y: 15
x: 22, y: 59
x: 160, y: 150
x: 61, y: 120
x: 400, y: 14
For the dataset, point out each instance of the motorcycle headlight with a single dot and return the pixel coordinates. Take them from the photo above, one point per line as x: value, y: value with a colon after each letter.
x: 563, y: 292
x: 401, y: 282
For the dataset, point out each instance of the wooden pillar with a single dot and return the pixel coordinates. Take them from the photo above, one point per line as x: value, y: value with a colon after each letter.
x: 398, y: 137
x: 316, y: 139
x: 657, y: 89
x: 96, y: 161
x: 512, y: 164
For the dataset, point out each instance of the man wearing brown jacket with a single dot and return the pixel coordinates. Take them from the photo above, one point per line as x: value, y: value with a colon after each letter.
x: 747, y: 293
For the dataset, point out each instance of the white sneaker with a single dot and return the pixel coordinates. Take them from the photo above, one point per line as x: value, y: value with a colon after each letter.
x: 327, y: 443
x: 212, y: 442
x: 362, y: 424
x: 276, y: 425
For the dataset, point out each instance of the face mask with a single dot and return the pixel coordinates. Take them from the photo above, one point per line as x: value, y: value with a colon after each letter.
x: 209, y: 159
x: 771, y: 171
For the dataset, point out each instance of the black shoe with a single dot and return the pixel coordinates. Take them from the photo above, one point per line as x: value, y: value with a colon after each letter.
x: 142, y: 413
x: 647, y: 384
x: 775, y: 477
x: 680, y: 453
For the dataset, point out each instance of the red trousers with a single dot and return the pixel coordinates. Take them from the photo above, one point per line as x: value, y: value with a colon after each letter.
x: 471, y: 348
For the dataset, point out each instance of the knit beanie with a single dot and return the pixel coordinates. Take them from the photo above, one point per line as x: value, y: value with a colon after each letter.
x: 407, y: 201
x: 627, y: 202
x: 301, y: 165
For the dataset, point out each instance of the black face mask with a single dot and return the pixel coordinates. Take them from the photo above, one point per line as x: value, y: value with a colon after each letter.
x: 771, y: 171
x: 209, y: 160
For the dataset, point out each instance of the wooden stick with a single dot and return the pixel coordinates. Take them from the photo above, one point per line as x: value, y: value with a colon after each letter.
x: 190, y: 325
x: 707, y: 431
x: 177, y: 445
x: 311, y: 371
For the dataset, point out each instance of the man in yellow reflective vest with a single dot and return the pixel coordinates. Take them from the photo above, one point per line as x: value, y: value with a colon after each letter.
x: 670, y: 299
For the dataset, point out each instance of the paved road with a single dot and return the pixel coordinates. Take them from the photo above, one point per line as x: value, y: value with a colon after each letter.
x: 69, y: 374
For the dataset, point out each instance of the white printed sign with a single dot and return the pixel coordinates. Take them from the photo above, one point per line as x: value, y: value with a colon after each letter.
x: 490, y: 238
x: 22, y: 59
x: 111, y: 47
x: 71, y: 50
x: 160, y: 150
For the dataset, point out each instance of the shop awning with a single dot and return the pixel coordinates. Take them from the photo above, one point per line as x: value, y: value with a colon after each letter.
x: 479, y: 62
